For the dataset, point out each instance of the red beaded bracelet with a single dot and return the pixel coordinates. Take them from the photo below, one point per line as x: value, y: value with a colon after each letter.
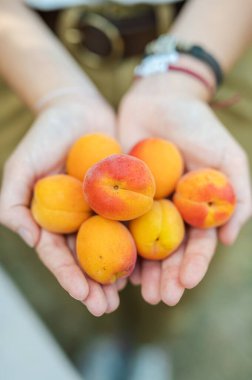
x: 193, y: 74
x: 216, y: 104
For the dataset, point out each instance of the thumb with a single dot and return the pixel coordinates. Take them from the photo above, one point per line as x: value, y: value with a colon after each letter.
x: 130, y: 128
x: 14, y: 203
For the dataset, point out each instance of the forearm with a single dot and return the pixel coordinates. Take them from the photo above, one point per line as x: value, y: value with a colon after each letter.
x: 32, y: 61
x: 222, y: 27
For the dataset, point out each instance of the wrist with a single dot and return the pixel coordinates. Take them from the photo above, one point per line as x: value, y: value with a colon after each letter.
x: 203, y: 89
x: 167, y: 54
x: 74, y: 118
x: 173, y: 83
x: 67, y: 95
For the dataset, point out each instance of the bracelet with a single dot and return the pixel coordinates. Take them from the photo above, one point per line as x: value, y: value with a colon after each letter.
x: 155, y: 64
x: 166, y: 44
x: 161, y: 63
x: 193, y: 74
x: 217, y: 104
x: 229, y: 102
x: 202, y: 55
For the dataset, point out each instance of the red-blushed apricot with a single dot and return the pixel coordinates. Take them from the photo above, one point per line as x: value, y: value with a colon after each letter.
x: 120, y: 187
x: 165, y: 162
x: 105, y: 249
x: 205, y: 198
x: 58, y: 204
x: 87, y: 151
x: 159, y: 232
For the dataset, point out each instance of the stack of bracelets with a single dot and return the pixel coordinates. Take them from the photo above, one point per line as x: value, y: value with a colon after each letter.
x: 162, y: 54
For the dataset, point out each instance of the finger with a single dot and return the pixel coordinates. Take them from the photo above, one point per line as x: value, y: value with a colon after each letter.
x: 230, y: 231
x: 14, y: 204
x: 121, y: 283
x: 199, y: 251
x: 151, y: 273
x: 71, y: 242
x: 237, y: 169
x: 171, y: 288
x: 56, y: 256
x: 96, y: 301
x: 135, y: 277
x: 112, y: 296
x: 110, y: 291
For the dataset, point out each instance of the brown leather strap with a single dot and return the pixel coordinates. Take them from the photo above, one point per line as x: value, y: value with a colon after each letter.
x: 136, y: 31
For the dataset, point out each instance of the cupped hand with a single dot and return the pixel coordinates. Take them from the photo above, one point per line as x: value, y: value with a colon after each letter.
x: 173, y: 106
x: 43, y: 152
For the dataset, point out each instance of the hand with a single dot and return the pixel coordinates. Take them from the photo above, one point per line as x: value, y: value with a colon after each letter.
x: 42, y: 152
x: 171, y: 106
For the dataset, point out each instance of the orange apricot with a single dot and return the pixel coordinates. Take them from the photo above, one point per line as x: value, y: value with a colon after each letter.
x: 105, y: 249
x: 87, y: 151
x: 120, y: 187
x: 165, y: 162
x: 159, y: 232
x: 205, y: 198
x: 58, y: 204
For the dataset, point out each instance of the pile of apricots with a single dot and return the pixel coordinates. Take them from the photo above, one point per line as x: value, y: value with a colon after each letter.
x: 121, y: 205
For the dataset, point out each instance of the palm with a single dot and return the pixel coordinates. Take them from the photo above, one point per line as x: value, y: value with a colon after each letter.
x: 151, y: 109
x: 40, y: 153
x: 54, y: 132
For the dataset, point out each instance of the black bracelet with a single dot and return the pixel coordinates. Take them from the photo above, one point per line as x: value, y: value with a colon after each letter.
x: 201, y: 54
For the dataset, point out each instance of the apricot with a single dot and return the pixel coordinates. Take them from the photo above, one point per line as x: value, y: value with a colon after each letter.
x: 88, y: 150
x: 105, y: 249
x: 165, y: 162
x: 159, y: 232
x: 205, y: 198
x: 58, y: 204
x: 120, y: 187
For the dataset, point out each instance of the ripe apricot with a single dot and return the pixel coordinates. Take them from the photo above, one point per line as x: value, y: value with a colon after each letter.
x: 205, y: 198
x: 58, y: 204
x: 120, y: 187
x: 159, y: 232
x: 105, y: 249
x: 165, y: 162
x: 88, y: 150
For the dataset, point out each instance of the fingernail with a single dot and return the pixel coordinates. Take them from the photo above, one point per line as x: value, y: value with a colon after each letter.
x: 193, y: 274
x: 174, y: 295
x: 80, y: 289
x: 26, y: 235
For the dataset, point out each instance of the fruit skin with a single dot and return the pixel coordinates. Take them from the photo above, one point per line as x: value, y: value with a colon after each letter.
x: 87, y: 151
x: 120, y: 187
x: 165, y: 162
x: 205, y: 198
x: 159, y: 232
x: 58, y: 204
x: 105, y: 249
